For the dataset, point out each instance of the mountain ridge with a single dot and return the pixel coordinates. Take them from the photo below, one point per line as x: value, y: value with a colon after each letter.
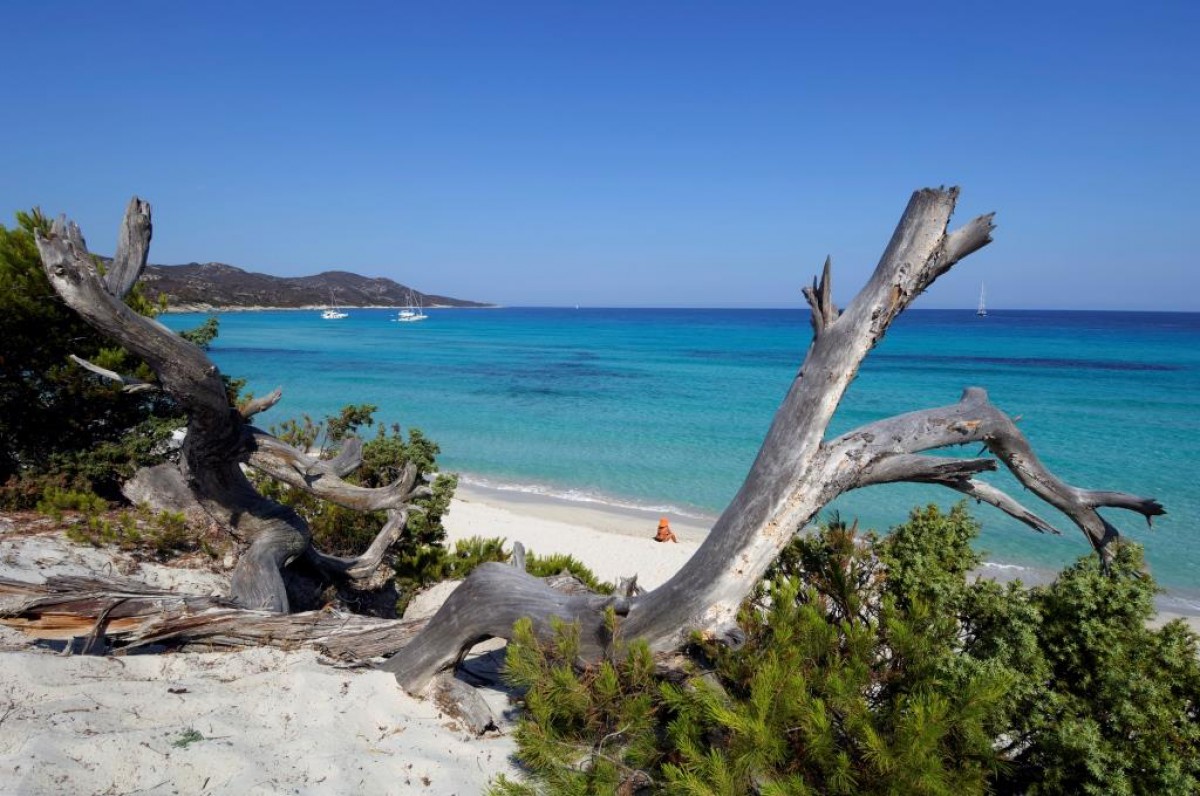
x: 220, y: 286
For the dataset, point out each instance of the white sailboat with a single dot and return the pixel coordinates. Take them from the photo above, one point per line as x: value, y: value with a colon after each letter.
x: 982, y: 311
x: 332, y: 313
x: 413, y: 312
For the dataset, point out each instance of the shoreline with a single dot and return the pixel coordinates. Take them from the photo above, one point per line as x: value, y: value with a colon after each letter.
x: 588, y: 528
x: 613, y: 542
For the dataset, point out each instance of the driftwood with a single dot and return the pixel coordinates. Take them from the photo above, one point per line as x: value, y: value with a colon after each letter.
x: 219, y: 439
x: 135, y: 616
x: 132, y: 615
x: 798, y: 471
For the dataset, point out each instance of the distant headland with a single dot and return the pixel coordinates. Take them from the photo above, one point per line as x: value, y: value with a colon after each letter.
x: 203, y: 287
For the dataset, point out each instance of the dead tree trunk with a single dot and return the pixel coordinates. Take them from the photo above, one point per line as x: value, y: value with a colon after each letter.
x: 219, y: 437
x: 797, y: 472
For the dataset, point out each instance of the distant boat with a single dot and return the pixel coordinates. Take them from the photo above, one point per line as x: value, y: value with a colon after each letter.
x: 412, y: 313
x: 332, y: 313
x: 982, y: 311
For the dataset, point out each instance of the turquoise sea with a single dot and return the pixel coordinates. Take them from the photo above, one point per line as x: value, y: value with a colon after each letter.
x: 666, y: 408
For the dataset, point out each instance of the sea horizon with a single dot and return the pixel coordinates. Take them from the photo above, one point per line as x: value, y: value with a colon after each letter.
x: 569, y: 306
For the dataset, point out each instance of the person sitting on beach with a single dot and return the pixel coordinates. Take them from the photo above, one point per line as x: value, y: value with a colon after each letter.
x: 664, y: 532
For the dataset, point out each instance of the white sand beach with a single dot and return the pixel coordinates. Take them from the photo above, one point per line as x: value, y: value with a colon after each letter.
x: 265, y: 721
x: 613, y: 542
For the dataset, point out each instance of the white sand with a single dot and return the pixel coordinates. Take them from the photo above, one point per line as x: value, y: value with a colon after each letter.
x: 271, y: 722
x: 274, y: 722
x: 612, y: 542
x: 267, y: 722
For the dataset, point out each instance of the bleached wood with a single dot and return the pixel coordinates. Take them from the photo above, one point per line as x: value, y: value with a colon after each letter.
x: 319, y: 477
x: 133, y: 248
x: 255, y: 405
x: 796, y: 473
x: 974, y: 419
x: 66, y: 608
x: 217, y: 441
x: 128, y: 383
x: 956, y: 474
x: 820, y: 299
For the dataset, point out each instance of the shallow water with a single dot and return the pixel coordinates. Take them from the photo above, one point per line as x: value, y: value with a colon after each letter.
x: 666, y: 408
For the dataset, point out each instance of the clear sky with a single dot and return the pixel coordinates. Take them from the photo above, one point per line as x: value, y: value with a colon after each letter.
x: 657, y: 154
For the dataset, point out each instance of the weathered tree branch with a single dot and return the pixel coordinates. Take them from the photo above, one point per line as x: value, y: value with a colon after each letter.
x: 129, y: 384
x: 360, y: 567
x: 133, y: 248
x: 348, y: 458
x: 255, y: 405
x: 797, y: 472
x: 274, y: 534
x: 820, y: 299
x: 181, y: 366
x: 138, y: 616
x: 975, y: 419
x: 217, y: 439
x: 957, y: 474
x: 487, y: 605
x: 319, y: 477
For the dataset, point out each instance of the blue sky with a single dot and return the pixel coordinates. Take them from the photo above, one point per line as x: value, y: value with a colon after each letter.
x: 657, y: 154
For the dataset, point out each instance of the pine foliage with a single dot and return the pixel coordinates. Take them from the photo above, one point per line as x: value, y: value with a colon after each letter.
x: 343, y: 531
x: 882, y: 666
x: 419, y: 556
x: 61, y: 426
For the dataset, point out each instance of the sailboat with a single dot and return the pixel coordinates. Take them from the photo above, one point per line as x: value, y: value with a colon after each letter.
x: 982, y: 311
x: 412, y: 313
x: 332, y: 313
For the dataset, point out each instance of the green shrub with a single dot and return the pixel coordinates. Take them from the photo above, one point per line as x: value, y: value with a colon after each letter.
x: 58, y: 422
x: 56, y: 500
x: 347, y: 532
x: 170, y: 533
x: 882, y: 666
x: 585, y: 731
x: 558, y: 563
x: 429, y: 564
x: 422, y: 566
x: 160, y: 533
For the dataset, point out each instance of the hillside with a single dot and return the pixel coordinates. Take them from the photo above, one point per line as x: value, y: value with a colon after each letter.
x: 204, y: 286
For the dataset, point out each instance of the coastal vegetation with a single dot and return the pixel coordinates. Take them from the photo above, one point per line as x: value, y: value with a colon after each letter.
x: 839, y: 663
x: 880, y: 665
x: 60, y: 426
x: 163, y: 533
